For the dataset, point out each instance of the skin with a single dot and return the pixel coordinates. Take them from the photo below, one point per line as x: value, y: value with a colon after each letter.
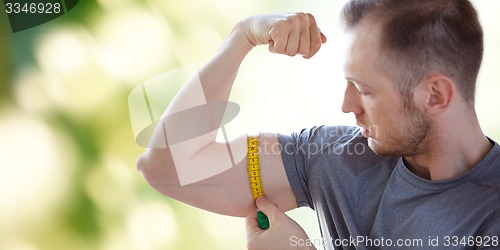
x: 443, y: 137
x: 438, y: 135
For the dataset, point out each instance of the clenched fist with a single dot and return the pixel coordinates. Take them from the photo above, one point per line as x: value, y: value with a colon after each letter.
x: 288, y: 34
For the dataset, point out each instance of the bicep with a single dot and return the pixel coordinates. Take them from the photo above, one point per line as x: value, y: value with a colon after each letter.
x: 227, y: 191
x: 230, y: 190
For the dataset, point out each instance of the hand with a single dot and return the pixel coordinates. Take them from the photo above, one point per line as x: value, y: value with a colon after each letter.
x: 280, y: 232
x: 289, y: 34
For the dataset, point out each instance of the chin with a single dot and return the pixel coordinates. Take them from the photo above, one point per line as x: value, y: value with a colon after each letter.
x: 380, y: 148
x: 373, y: 144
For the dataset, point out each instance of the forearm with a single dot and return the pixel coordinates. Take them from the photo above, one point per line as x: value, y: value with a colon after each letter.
x: 208, y: 91
x: 218, y: 75
x: 216, y: 78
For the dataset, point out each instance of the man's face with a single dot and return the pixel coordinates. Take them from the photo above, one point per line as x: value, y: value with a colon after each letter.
x: 391, y: 127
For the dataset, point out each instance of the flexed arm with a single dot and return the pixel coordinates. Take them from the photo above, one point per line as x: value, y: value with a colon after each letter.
x: 212, y: 175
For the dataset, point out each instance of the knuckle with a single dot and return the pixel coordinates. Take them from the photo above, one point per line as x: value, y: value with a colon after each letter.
x: 276, y: 50
x: 283, y: 24
x: 280, y: 23
x: 304, y: 51
x: 311, y: 18
x: 301, y: 16
x: 315, y: 46
x: 290, y: 52
x: 292, y: 20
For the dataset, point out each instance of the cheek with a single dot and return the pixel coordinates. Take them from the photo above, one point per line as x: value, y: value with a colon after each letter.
x: 375, y: 111
x: 383, y: 118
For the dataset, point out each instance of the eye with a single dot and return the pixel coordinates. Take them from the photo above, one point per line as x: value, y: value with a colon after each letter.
x: 361, y: 91
x: 359, y: 88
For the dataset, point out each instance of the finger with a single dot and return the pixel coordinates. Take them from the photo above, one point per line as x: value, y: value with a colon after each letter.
x: 251, y: 224
x: 278, y: 41
x: 305, y: 41
x: 315, y: 38
x: 323, y: 37
x: 292, y: 46
x: 268, y: 208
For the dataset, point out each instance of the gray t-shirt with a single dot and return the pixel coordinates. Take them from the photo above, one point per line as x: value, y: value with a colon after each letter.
x: 366, y: 201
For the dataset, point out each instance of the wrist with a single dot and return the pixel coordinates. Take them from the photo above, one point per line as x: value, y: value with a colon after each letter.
x: 241, y: 35
x: 235, y: 47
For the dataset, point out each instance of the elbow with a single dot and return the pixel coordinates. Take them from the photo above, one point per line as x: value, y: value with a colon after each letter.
x: 154, y: 168
x: 145, y: 167
x: 148, y: 166
x: 141, y: 163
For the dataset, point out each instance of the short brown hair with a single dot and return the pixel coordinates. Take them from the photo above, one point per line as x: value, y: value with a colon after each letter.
x: 425, y: 36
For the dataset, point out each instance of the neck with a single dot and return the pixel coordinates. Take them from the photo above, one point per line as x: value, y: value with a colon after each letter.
x: 451, y: 150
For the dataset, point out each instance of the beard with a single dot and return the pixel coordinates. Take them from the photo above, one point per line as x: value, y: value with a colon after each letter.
x: 406, y: 135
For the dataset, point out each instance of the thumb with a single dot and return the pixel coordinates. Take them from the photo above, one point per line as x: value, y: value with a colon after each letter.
x: 267, y: 207
x: 323, y: 37
x: 251, y: 224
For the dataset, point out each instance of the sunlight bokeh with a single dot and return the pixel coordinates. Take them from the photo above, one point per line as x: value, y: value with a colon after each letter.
x: 67, y: 146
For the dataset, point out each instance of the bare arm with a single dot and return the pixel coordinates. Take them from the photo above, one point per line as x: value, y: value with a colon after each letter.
x: 184, y: 169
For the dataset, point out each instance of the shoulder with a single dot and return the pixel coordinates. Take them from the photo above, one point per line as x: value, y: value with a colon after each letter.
x: 488, y: 172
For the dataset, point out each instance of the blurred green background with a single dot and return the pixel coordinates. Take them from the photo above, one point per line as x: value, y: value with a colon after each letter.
x: 67, y: 150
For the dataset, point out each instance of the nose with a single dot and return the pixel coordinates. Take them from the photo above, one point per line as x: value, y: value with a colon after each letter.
x: 351, y: 101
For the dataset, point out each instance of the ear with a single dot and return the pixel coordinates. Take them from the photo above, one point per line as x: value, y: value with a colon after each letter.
x: 439, y: 91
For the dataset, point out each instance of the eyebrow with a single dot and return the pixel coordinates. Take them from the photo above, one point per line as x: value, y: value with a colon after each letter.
x: 356, y: 81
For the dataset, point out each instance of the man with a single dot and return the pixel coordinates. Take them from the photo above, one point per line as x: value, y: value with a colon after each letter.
x: 416, y: 172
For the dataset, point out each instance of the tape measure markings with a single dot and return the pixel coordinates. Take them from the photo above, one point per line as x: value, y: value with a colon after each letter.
x: 255, y: 178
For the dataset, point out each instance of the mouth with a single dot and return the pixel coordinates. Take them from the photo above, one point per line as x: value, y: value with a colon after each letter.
x: 365, y: 132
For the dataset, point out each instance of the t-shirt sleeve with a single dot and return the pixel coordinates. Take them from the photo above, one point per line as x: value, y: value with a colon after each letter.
x: 300, y: 150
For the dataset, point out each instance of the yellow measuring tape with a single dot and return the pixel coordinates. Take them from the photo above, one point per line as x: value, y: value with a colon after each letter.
x: 254, y: 177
